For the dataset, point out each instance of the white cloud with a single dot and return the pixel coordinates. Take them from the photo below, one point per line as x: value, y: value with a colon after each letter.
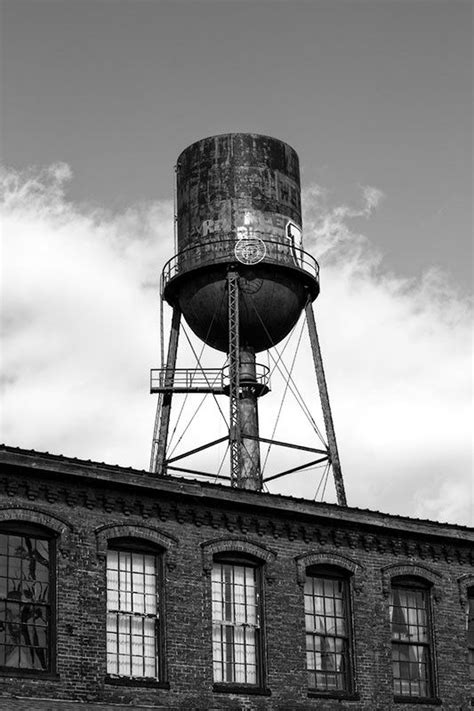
x: 80, y: 305
x: 80, y: 320
x: 398, y: 354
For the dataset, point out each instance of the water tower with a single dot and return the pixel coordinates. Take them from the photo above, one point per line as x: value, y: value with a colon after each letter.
x: 241, y: 280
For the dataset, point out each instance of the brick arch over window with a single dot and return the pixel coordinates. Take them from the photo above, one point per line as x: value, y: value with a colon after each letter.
x: 465, y: 583
x: 327, y: 579
x: 149, y: 534
x: 411, y: 589
x: 134, y: 558
x: 236, y: 568
x: 408, y: 570
x: 306, y: 560
x: 35, y: 515
x: 241, y: 546
x: 466, y: 598
x: 30, y: 537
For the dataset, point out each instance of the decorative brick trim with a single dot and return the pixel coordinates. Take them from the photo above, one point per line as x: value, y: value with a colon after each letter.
x: 304, y: 561
x: 150, y: 534
x: 36, y: 515
x: 239, y: 545
x: 411, y: 569
x: 465, y: 582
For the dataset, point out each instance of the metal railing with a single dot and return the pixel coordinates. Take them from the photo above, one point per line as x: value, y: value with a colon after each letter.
x: 262, y: 376
x: 201, y: 379
x: 222, y: 251
x: 186, y: 379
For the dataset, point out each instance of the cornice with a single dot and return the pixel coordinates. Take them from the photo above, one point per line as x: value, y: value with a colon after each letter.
x: 129, y: 492
x: 324, y: 535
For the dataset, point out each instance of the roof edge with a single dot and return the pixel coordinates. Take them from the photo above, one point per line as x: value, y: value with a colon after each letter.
x: 57, y: 464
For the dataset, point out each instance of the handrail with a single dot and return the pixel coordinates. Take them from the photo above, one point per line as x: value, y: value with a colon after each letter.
x: 186, y: 377
x: 262, y: 375
x: 221, y: 251
x: 199, y: 378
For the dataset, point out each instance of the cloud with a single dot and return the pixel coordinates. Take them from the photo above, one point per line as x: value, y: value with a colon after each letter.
x: 80, y: 319
x: 398, y: 355
x: 80, y: 332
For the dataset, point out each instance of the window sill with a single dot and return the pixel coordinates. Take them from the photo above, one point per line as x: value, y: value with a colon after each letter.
x: 241, y: 689
x: 343, y: 695
x: 417, y: 700
x: 136, y: 681
x: 28, y: 674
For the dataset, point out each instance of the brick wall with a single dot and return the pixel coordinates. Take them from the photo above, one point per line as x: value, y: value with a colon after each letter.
x: 191, y: 523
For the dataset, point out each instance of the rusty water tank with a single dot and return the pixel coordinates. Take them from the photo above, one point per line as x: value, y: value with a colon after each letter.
x: 239, y: 207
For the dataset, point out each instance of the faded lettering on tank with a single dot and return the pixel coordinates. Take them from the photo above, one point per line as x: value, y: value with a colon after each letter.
x: 248, y: 224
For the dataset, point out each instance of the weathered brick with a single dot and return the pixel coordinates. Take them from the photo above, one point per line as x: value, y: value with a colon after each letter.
x: 85, y: 503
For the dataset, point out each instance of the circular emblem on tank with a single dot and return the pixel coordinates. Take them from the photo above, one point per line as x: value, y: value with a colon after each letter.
x: 250, y: 251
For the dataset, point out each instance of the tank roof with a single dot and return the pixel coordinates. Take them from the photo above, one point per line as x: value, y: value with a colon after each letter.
x: 235, y: 133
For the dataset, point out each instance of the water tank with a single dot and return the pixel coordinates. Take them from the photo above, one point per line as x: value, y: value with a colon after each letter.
x: 239, y: 207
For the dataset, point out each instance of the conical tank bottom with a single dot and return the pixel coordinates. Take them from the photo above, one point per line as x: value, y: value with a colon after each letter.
x: 270, y: 303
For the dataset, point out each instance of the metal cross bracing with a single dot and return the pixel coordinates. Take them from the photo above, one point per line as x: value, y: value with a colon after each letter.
x: 234, y: 376
x: 243, y: 388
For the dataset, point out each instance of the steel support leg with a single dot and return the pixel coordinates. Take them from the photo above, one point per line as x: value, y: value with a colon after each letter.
x: 326, y: 407
x: 162, y: 420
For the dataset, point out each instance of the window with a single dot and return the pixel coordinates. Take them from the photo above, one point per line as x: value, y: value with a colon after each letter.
x: 236, y: 622
x: 134, y: 627
x: 26, y: 600
x: 470, y: 635
x: 327, y: 622
x: 411, y: 644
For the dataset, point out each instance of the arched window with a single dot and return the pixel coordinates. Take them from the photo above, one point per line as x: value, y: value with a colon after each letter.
x: 134, y: 610
x: 328, y: 629
x: 237, y: 639
x: 470, y: 635
x: 410, y: 622
x: 27, y: 555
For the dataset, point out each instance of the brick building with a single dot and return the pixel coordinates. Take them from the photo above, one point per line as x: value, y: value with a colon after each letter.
x: 119, y: 589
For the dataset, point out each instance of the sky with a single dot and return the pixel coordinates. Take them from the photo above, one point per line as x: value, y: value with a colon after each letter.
x: 97, y: 100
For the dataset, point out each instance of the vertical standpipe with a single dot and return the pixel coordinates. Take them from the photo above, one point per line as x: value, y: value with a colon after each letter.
x: 250, y: 472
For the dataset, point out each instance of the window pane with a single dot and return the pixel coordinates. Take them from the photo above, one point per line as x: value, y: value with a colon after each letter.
x: 327, y: 643
x: 235, y: 623
x: 410, y: 642
x: 470, y: 637
x: 25, y: 604
x: 410, y: 670
x: 470, y: 621
x: 132, y: 614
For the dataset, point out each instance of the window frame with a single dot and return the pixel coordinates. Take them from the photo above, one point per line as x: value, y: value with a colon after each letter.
x: 413, y: 583
x: 142, y: 547
x: 333, y: 572
x: 470, y: 644
x: 27, y: 529
x: 249, y: 561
